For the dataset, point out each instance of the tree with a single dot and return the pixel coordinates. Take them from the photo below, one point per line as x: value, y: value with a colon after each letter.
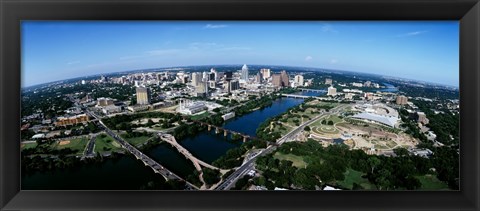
x: 307, y: 128
x: 211, y: 176
x: 383, y: 180
x: 401, y: 152
x: 324, y: 122
x: 373, y: 162
x: 330, y: 122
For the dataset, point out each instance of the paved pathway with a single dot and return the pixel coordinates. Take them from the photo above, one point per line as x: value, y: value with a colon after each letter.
x: 196, y: 162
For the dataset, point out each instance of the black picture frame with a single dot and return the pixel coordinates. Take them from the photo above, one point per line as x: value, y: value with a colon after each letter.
x: 14, y: 11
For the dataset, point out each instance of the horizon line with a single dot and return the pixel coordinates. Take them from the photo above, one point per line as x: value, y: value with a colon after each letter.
x: 318, y: 68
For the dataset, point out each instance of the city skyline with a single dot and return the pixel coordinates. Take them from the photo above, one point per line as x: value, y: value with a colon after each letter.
x: 426, y: 51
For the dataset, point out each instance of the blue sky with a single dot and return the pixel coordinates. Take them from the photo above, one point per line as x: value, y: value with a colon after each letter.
x: 53, y: 50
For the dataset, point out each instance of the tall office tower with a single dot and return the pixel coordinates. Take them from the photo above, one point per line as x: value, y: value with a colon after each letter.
x: 143, y: 95
x: 202, y: 89
x: 258, y: 78
x: 215, y: 74
x: 228, y: 76
x: 284, y: 78
x: 226, y: 86
x: 332, y: 91
x: 220, y: 75
x: 244, y: 73
x: 277, y: 80
x: 196, y: 79
x: 401, y: 100
x: 211, y: 76
x: 265, y: 73
x: 328, y: 81
x: 205, y: 84
x: 205, y: 76
x: 159, y: 76
x: 299, y: 80
x: 212, y: 84
x: 234, y: 85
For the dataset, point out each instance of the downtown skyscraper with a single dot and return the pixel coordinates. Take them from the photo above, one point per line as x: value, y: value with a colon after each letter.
x: 244, y: 73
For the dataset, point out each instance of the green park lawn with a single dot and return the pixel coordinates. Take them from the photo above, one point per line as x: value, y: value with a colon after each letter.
x: 106, y: 144
x: 29, y: 145
x: 75, y: 144
x: 353, y: 176
x: 334, y: 119
x: 137, y: 141
x: 200, y: 116
x: 431, y: 182
x: 296, y: 160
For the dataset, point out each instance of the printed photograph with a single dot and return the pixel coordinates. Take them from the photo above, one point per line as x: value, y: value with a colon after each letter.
x: 240, y: 105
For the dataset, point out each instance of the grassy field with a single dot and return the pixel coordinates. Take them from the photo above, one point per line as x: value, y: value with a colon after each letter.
x: 352, y: 176
x: 334, y: 118
x: 201, y: 116
x: 391, y: 144
x: 297, y: 160
x: 431, y: 182
x: 137, y: 141
x: 28, y: 145
x: 321, y: 103
x: 75, y: 144
x: 107, y: 142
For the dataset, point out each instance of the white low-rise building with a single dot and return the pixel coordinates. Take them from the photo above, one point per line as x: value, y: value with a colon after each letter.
x: 330, y: 188
x: 37, y: 136
x: 111, y: 109
x: 378, y: 113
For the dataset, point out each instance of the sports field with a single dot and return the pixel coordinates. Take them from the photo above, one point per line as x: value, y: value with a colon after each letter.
x: 74, y: 144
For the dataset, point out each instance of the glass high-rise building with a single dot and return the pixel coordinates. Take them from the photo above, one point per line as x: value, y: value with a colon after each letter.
x: 244, y: 73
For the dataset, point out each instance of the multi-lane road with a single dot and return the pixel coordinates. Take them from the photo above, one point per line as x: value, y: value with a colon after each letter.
x: 90, y: 147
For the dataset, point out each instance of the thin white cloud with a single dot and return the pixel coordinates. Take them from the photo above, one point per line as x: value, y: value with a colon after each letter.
x: 73, y: 62
x: 234, y: 49
x: 162, y: 52
x: 412, y: 33
x: 131, y: 57
x: 308, y: 58
x: 328, y: 28
x: 203, y: 45
x: 333, y: 61
x: 215, y: 26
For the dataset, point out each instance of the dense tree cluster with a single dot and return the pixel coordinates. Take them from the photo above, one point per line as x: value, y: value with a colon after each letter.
x: 211, y: 176
x: 186, y: 130
x: 194, y: 178
x: 231, y: 159
x: 124, y: 122
x: 328, y: 165
x: 428, y: 92
x: 445, y: 125
x: 33, y: 160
